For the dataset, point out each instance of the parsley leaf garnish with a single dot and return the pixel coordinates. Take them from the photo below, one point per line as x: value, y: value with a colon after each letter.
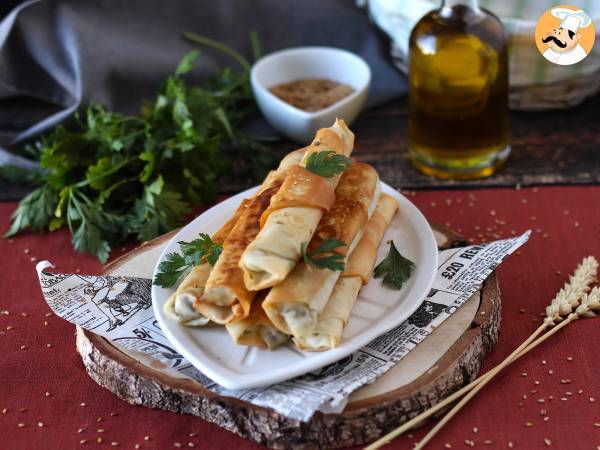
x: 394, y: 268
x: 327, y: 163
x: 175, y: 266
x: 171, y: 270
x: 203, y: 247
x: 323, y: 257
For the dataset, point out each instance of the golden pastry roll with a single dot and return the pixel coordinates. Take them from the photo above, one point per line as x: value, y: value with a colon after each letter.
x: 180, y: 305
x: 256, y: 330
x: 295, y: 304
x: 359, y: 268
x: 362, y: 261
x: 290, y: 160
x: 225, y: 295
x: 294, y: 214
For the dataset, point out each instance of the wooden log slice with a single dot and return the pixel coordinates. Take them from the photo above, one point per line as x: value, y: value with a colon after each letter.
x: 446, y: 360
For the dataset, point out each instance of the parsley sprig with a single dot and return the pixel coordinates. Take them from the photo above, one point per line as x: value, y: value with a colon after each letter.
x: 203, y: 247
x: 114, y: 175
x: 327, y: 163
x: 176, y: 265
x: 395, y: 269
x: 323, y: 257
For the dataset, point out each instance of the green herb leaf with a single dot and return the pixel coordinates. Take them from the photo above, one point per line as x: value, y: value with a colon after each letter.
x: 395, y: 269
x: 87, y: 238
x: 255, y: 43
x: 327, y: 163
x: 92, y: 228
x: 187, y: 63
x: 175, y: 266
x: 35, y: 211
x: 211, y: 43
x: 323, y: 257
x: 171, y: 270
x: 159, y: 211
x: 200, y: 248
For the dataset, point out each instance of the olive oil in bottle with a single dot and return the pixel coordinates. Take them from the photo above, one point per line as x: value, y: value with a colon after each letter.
x: 458, y: 99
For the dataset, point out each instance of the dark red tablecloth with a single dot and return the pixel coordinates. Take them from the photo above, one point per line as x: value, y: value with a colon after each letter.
x: 47, y: 401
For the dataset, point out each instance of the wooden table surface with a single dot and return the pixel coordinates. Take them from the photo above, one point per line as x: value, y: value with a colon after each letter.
x: 550, y: 147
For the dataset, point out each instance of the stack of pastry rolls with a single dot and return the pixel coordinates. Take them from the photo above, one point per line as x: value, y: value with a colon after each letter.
x: 261, y: 289
x: 184, y: 305
x: 331, y: 321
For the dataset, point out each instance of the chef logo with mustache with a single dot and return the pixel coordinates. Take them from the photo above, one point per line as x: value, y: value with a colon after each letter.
x: 565, y: 35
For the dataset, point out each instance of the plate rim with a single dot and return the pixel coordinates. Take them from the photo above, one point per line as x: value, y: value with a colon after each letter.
x: 229, y: 379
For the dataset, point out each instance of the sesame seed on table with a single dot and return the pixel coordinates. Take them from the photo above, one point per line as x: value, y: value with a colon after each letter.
x: 48, y: 401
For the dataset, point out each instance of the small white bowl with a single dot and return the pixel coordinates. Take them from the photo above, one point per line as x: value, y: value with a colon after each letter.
x: 309, y: 62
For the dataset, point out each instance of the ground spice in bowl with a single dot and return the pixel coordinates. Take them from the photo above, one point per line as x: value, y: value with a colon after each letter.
x: 311, y: 94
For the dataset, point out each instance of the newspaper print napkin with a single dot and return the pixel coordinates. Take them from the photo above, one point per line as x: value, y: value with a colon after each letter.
x: 119, y: 308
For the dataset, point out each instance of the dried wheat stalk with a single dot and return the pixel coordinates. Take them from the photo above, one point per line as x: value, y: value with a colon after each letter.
x: 590, y: 304
x: 569, y: 296
x: 561, y: 307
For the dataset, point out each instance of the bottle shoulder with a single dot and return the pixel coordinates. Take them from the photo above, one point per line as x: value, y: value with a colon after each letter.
x: 445, y: 23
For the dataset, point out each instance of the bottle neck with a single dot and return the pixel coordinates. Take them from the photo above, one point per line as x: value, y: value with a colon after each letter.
x: 473, y: 4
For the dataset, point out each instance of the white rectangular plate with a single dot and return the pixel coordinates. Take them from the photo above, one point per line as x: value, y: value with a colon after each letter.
x: 378, y: 309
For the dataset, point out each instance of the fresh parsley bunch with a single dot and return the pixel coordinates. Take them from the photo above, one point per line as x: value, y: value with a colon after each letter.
x: 116, y: 175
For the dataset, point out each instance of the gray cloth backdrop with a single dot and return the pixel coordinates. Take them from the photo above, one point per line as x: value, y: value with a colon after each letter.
x: 57, y: 55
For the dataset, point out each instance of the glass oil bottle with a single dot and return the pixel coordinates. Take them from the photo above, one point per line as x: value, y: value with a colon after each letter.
x: 458, y: 92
